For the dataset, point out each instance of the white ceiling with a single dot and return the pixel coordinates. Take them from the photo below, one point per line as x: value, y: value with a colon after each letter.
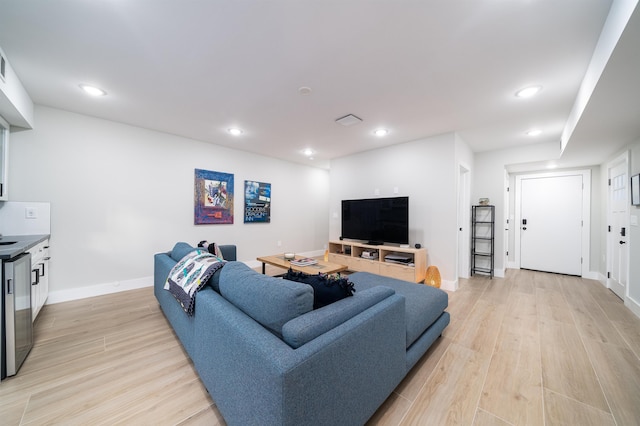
x: 418, y: 68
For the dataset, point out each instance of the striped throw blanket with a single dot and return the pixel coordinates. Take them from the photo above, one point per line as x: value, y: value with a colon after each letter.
x: 189, y: 275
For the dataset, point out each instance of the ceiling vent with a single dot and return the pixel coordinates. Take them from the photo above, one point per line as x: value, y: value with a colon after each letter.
x: 348, y: 120
x: 3, y: 67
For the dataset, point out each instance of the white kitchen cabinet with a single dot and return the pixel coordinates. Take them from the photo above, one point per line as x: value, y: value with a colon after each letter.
x: 39, y: 277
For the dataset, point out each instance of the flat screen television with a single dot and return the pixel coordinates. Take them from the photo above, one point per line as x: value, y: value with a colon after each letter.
x: 376, y: 220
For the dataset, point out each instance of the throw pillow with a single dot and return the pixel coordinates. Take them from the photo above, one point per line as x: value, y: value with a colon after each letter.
x: 326, y: 288
x: 212, y: 248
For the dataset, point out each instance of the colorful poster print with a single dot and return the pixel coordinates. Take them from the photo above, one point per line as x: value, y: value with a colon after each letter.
x: 213, y: 197
x: 257, y: 201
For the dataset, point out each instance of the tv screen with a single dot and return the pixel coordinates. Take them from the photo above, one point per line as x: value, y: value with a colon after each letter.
x: 376, y: 220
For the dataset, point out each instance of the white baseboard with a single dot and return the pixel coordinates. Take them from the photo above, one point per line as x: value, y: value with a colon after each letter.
x: 77, y: 293
x: 253, y: 264
x: 632, y: 305
x: 59, y: 296
x: 449, y: 285
x: 592, y: 275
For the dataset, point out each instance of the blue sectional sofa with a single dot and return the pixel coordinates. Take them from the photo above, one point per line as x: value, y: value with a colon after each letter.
x: 268, y: 358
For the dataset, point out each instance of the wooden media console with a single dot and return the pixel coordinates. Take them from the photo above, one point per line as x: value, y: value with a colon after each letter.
x: 408, y: 264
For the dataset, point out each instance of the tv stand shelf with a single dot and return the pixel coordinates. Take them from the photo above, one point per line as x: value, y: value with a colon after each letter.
x: 377, y: 259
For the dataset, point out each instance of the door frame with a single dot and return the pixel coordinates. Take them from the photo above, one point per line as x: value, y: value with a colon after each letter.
x: 586, y: 213
x: 508, y: 227
x: 623, y: 158
x: 464, y: 221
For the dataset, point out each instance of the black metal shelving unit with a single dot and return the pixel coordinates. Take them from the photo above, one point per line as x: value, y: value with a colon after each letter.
x: 482, y: 239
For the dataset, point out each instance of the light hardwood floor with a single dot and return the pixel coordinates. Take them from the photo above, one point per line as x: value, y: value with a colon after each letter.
x: 528, y: 349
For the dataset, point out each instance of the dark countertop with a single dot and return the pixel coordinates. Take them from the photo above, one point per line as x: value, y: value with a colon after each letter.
x: 22, y: 244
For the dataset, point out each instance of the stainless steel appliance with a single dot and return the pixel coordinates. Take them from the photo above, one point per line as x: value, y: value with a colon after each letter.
x: 18, y: 328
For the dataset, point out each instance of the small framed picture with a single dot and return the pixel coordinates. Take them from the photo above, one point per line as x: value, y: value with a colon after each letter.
x: 635, y: 190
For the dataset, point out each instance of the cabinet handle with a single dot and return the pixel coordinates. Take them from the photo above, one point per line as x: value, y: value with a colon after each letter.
x: 37, y: 281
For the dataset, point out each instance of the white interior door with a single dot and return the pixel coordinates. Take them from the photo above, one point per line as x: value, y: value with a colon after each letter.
x: 619, y: 229
x: 551, y: 224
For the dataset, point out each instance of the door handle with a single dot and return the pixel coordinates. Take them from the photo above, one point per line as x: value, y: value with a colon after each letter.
x: 623, y: 242
x: 524, y: 228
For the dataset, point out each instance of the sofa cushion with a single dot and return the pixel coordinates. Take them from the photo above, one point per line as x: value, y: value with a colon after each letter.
x: 326, y: 288
x: 423, y: 304
x: 307, y: 327
x: 270, y: 301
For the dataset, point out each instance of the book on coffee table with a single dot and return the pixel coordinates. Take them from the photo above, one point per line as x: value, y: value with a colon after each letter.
x: 305, y: 261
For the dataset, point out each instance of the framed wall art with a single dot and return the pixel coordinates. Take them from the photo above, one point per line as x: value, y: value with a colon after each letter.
x: 257, y: 202
x: 213, y: 197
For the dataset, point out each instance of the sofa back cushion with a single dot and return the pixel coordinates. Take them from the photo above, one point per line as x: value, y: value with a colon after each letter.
x: 180, y: 250
x: 272, y: 302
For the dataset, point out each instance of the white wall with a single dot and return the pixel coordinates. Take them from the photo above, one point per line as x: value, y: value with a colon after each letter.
x: 427, y: 172
x: 119, y: 194
x: 489, y: 182
x: 634, y: 240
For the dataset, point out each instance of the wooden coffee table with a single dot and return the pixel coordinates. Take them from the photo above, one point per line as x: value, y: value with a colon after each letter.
x: 320, y: 267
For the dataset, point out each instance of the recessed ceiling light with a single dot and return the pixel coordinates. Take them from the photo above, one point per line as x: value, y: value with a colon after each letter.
x: 381, y: 132
x: 308, y: 152
x: 92, y: 90
x: 528, y: 92
x: 534, y: 132
x: 304, y: 90
x: 235, y: 131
